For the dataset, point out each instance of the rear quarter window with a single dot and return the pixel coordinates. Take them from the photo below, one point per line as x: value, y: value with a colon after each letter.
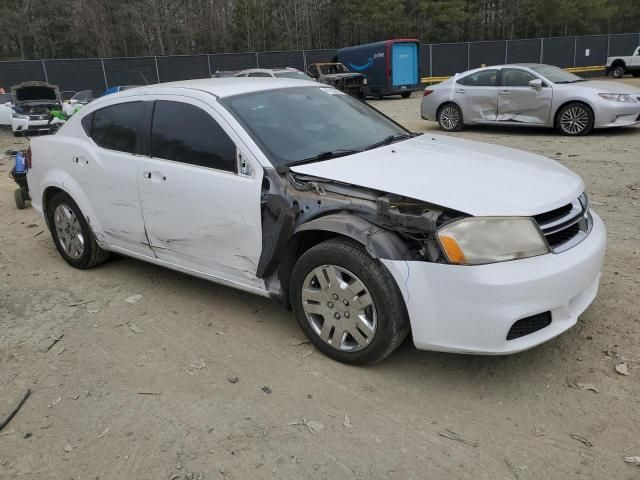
x: 117, y: 127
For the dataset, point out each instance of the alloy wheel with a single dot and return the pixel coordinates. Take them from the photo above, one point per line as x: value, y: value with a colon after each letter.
x: 449, y: 117
x: 574, y: 120
x: 339, y: 308
x: 68, y: 231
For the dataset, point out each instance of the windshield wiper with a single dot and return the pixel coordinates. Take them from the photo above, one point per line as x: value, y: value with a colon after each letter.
x: 389, y: 140
x: 325, y: 156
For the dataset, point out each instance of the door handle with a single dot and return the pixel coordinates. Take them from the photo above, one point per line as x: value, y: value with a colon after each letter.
x: 154, y: 176
x: 504, y: 92
x: 460, y: 90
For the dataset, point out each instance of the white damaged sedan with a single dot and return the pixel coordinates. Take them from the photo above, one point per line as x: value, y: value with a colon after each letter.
x: 293, y: 190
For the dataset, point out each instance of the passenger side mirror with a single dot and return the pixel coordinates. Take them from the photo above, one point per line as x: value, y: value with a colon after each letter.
x: 537, y: 83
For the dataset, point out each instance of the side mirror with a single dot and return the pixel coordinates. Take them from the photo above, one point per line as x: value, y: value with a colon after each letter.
x: 537, y: 83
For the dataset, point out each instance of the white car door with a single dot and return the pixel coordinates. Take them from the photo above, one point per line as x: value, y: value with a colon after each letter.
x: 477, y: 95
x: 520, y: 102
x: 105, y: 163
x: 200, y: 213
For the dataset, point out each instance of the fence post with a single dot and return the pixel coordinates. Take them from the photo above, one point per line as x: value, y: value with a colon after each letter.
x: 44, y: 69
x: 468, y: 56
x: 575, y: 49
x: 542, y: 50
x: 506, y: 51
x: 157, y: 71
x: 304, y: 60
x: 257, y: 61
x: 608, y: 43
x: 104, y: 74
x: 209, y: 66
x: 431, y: 60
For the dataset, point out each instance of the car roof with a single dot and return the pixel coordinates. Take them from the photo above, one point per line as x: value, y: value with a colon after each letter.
x: 220, y: 87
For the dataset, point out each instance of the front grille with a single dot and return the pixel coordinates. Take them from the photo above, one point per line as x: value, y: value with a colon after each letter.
x: 566, y: 226
x: 527, y: 326
x: 553, y: 215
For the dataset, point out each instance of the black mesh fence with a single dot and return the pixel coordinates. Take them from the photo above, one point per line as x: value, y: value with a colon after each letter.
x: 183, y: 67
x: 487, y: 53
x: 12, y: 73
x: 76, y: 74
x: 591, y: 50
x: 558, y: 51
x: 223, y: 62
x: 293, y: 59
x: 524, y: 51
x: 623, y: 44
x: 130, y: 71
x: 436, y: 60
x: 449, y: 58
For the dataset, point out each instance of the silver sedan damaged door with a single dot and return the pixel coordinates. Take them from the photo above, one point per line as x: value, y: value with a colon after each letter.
x: 477, y: 95
x: 520, y: 101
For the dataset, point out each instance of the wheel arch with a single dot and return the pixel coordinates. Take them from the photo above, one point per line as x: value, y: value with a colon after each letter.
x: 71, y: 188
x: 618, y: 63
x: 378, y: 242
x: 567, y: 102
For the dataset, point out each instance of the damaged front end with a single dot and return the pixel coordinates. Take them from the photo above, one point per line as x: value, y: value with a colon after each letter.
x: 299, y: 211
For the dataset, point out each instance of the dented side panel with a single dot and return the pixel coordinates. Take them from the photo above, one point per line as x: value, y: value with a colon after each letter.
x: 478, y: 103
x: 524, y: 104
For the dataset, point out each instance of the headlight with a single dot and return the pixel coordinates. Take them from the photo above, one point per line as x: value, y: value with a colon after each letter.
x: 478, y: 240
x: 618, y: 97
x: 20, y: 116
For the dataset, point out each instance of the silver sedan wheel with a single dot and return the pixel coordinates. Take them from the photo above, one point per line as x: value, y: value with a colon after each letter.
x: 69, y: 231
x: 449, y: 117
x: 339, y: 308
x: 574, y: 120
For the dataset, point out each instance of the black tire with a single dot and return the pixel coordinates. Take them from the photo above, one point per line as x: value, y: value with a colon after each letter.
x: 19, y: 198
x: 618, y: 71
x: 17, y: 134
x: 92, y: 255
x: 405, y: 94
x: 583, y: 123
x: 635, y: 74
x: 389, y: 307
x: 450, y: 118
x: 377, y: 95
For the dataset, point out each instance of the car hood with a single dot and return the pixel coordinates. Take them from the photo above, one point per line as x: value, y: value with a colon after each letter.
x: 471, y: 177
x: 603, y: 86
x: 35, y: 93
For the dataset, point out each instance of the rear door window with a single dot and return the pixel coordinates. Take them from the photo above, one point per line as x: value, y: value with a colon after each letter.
x: 187, y: 134
x: 117, y: 127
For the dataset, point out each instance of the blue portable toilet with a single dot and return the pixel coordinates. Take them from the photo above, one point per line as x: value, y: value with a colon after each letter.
x: 392, y: 67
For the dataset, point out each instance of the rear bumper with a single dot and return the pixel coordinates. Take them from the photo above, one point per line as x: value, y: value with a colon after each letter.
x: 471, y: 309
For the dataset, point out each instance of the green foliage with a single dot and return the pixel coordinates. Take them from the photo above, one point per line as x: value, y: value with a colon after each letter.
x: 82, y: 28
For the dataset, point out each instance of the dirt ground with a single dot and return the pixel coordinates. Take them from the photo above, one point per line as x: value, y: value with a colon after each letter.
x: 146, y: 390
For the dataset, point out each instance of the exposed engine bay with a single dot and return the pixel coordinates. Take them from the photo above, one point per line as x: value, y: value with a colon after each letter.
x: 388, y: 226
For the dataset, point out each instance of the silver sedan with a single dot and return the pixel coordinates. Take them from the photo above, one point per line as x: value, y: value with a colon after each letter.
x: 530, y: 94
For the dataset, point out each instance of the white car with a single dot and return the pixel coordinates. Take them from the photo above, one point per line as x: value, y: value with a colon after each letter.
x: 618, y: 67
x: 32, y: 106
x: 293, y: 190
x: 6, y: 109
x: 287, y: 72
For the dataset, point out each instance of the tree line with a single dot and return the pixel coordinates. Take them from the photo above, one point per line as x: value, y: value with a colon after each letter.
x: 34, y: 29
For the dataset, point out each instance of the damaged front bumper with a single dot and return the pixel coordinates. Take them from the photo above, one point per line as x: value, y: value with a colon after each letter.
x: 471, y: 309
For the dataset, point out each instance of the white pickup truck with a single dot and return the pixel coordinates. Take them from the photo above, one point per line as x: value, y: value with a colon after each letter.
x: 618, y: 67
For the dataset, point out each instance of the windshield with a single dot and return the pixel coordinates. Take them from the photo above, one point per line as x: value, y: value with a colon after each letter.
x: 298, y: 75
x: 295, y: 124
x: 555, y: 74
x: 333, y: 68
